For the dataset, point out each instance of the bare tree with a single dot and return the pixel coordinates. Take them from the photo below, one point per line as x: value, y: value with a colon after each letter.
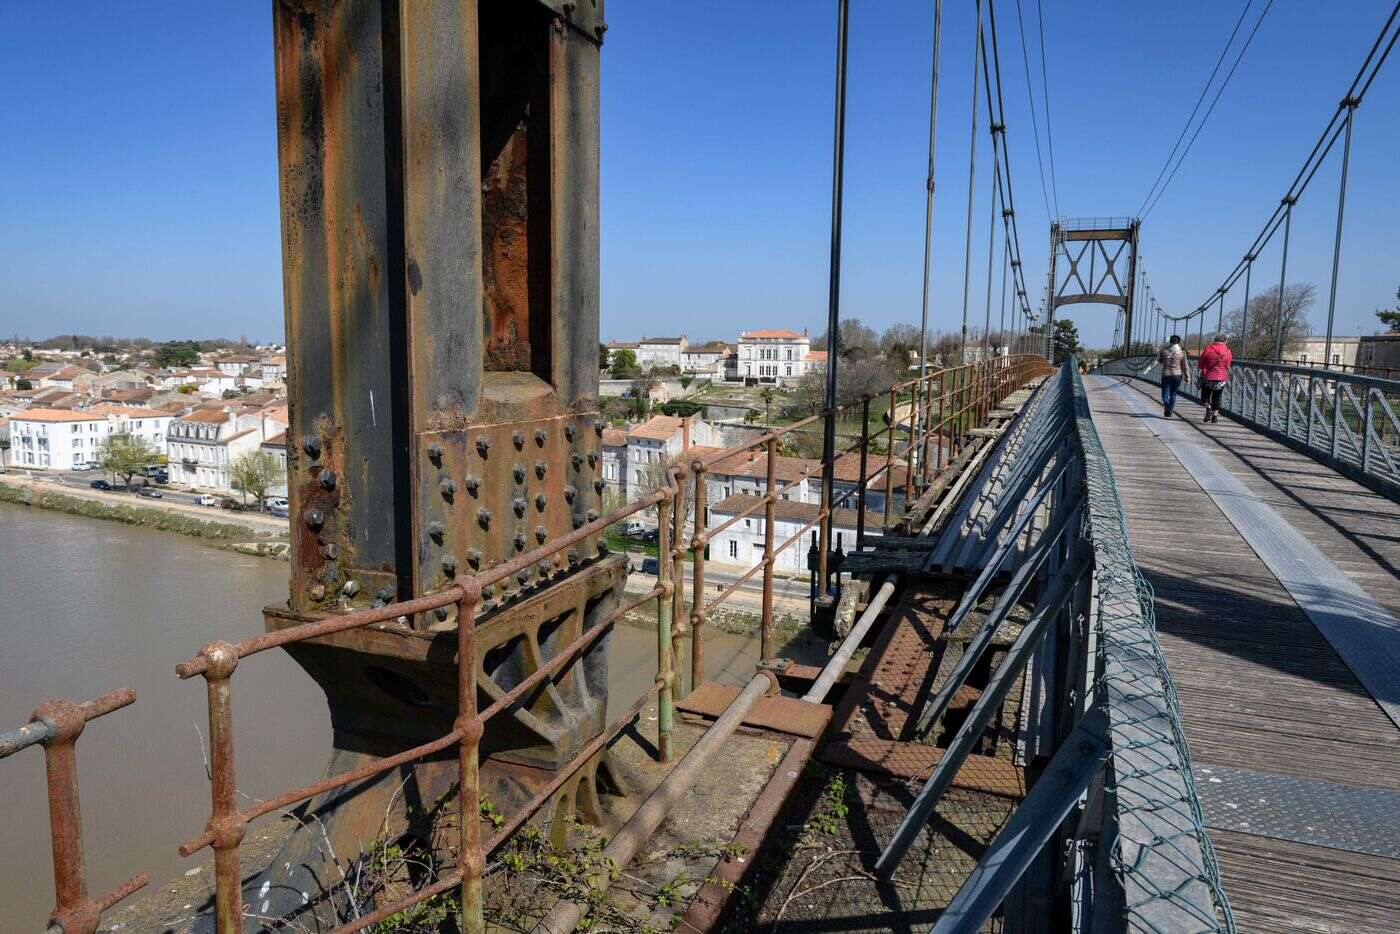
x: 1258, y: 344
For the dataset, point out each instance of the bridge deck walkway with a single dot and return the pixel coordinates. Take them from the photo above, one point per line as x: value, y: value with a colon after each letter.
x: 1297, y: 766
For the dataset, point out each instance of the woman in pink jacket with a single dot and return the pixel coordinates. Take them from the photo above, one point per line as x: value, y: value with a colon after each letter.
x: 1214, y: 364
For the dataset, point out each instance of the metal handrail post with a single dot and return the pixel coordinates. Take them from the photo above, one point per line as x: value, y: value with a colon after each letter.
x: 665, y: 677
x: 678, y: 616
x: 889, y: 464
x: 226, y: 824
x: 864, y: 458
x: 471, y: 861
x: 765, y: 641
x: 697, y: 590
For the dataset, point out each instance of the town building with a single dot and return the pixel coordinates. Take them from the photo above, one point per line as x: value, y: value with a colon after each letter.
x: 203, y: 443
x: 661, y: 351
x: 1312, y: 350
x: 633, y: 460
x: 1379, y: 355
x: 60, y: 439
x: 742, y: 543
x: 705, y: 360
x: 277, y: 447
x: 773, y: 356
x: 745, y: 472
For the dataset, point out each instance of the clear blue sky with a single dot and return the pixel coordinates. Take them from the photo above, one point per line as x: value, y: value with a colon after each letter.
x: 138, y: 176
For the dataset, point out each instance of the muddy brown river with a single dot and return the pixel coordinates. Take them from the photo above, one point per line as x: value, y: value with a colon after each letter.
x: 87, y: 606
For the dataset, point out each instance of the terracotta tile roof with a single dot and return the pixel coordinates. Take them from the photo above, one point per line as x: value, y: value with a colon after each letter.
x: 128, y: 395
x: 276, y: 441
x: 212, y: 416
x: 788, y: 510
x: 776, y: 333
x: 614, y: 438
x: 238, y: 434
x: 657, y: 428
x: 815, y: 356
x: 752, y: 463
x: 57, y: 415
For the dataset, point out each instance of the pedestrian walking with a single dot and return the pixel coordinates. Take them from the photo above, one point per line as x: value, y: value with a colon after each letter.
x: 1214, y: 365
x: 1173, y: 360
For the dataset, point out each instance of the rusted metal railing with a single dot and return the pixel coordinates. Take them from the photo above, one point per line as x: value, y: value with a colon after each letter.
x: 56, y: 725
x: 950, y: 403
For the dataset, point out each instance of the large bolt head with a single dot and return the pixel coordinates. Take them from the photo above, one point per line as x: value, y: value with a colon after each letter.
x: 314, y: 518
x: 518, y: 472
x: 311, y: 445
x: 327, y: 479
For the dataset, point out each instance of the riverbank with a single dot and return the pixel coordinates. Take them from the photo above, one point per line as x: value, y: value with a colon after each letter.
x: 253, y: 536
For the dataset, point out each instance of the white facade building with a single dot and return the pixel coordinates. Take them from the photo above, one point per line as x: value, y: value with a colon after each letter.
x: 774, y: 356
x: 705, y: 359
x: 204, y: 443
x: 661, y: 351
x: 631, y: 459
x: 742, y: 543
x: 58, y: 439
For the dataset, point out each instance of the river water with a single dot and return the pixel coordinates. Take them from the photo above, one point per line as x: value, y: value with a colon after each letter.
x: 87, y: 606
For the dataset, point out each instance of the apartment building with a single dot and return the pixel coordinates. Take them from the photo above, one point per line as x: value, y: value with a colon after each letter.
x: 61, y: 439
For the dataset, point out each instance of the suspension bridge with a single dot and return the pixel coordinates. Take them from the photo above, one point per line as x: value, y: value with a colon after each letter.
x: 1107, y: 670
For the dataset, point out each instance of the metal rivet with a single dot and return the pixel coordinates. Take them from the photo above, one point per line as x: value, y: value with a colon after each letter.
x: 598, y: 428
x: 483, y: 515
x: 436, y: 530
x: 483, y: 444
x: 311, y: 445
x: 519, y: 540
x: 569, y: 432
x: 473, y: 484
x: 449, y: 565
x: 523, y: 577
x: 573, y: 556
x: 576, y: 459
x: 518, y: 471
x: 488, y: 592
x: 318, y: 592
x: 569, y: 493
x: 578, y: 520
x: 327, y: 479
x: 385, y: 593
x: 545, y: 568
x: 602, y: 546
x: 592, y: 458
x: 350, y: 589
x: 518, y: 439
x: 314, y: 518
x: 599, y: 484
x: 331, y: 550
x: 592, y: 515
x: 540, y: 435
x: 541, y: 468
x: 441, y: 614
x: 541, y: 501
x: 447, y: 487
x: 541, y: 533
x: 435, y: 452
x: 518, y: 504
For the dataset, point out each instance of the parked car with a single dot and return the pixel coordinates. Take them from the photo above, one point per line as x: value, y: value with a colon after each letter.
x: 149, y: 491
x: 83, y: 466
x: 633, y: 528
x: 231, y: 504
x: 100, y: 485
x: 651, y: 536
x: 275, y: 502
x: 160, y: 476
x: 280, y: 512
x: 651, y: 566
x: 204, y: 499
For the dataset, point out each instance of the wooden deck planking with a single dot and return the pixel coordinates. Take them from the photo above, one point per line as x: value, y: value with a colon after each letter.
x: 1260, y: 688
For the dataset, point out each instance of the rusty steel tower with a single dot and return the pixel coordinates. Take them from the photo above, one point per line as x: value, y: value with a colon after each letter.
x: 439, y: 199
